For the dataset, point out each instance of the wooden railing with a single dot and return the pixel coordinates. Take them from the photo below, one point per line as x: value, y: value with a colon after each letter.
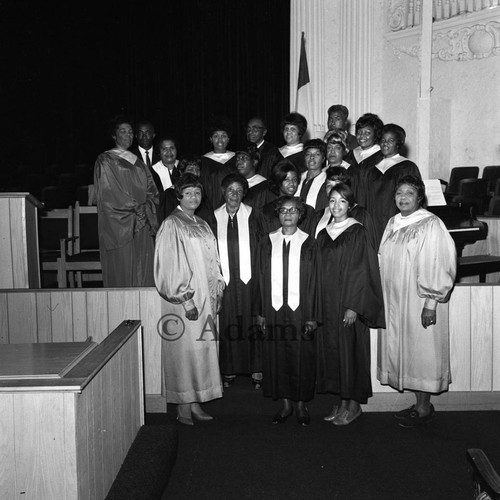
x: 473, y: 314
x: 407, y: 13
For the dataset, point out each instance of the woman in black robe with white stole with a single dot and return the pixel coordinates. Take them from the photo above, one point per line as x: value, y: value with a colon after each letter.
x: 352, y: 303
x: 240, y: 347
x: 288, y: 311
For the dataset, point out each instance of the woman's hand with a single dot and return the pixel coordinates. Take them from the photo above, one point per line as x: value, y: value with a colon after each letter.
x: 192, y: 314
x: 428, y: 317
x: 310, y: 327
x: 218, y: 303
x: 261, y: 323
x: 350, y: 317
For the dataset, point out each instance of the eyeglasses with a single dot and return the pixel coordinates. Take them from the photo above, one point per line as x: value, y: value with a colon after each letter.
x: 292, y: 210
x: 238, y: 192
x: 254, y: 129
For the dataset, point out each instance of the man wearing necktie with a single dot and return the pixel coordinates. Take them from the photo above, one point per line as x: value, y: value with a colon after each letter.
x: 145, y: 134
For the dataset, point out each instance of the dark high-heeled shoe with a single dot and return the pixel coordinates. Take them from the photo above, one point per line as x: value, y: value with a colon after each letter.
x: 281, y: 418
x: 303, y: 417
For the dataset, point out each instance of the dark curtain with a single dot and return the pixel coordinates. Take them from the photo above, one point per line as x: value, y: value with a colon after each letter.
x: 68, y: 67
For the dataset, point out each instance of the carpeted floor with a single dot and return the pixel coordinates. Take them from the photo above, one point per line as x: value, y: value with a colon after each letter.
x: 241, y: 455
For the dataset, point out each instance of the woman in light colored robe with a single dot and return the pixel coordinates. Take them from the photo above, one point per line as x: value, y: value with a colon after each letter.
x: 188, y: 277
x: 418, y: 266
x: 127, y: 199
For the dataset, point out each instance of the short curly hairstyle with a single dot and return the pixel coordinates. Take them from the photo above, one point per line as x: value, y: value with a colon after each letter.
x: 189, y: 159
x: 415, y: 182
x: 278, y: 203
x: 295, y: 119
x: 398, y: 131
x: 186, y: 181
x: 116, y: 121
x: 373, y: 121
x: 234, y: 177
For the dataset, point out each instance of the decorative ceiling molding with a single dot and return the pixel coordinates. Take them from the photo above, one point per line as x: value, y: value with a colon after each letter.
x: 467, y: 40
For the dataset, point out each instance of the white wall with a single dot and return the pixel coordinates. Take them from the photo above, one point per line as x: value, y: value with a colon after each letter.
x: 465, y: 101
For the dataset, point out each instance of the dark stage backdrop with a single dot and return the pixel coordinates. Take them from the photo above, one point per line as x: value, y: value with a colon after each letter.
x: 68, y: 67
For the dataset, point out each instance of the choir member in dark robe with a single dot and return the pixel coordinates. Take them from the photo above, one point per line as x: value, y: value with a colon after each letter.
x: 387, y: 173
x: 217, y: 163
x: 258, y: 188
x: 288, y: 312
x: 269, y: 153
x: 168, y: 199
x: 127, y: 200
x: 284, y: 182
x: 336, y: 150
x: 336, y: 175
x: 165, y: 171
x: 188, y: 276
x: 312, y: 186
x: 293, y: 127
x: 236, y: 233
x: 365, y: 157
x: 338, y: 124
x: 352, y: 304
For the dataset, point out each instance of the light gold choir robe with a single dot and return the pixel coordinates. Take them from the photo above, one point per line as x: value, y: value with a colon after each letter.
x: 187, y: 274
x: 418, y: 266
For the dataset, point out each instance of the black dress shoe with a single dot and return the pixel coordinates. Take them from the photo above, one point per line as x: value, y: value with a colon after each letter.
x: 279, y: 418
x: 303, y: 417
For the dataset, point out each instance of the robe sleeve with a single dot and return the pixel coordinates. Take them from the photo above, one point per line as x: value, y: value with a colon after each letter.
x: 310, y: 300
x: 362, y: 288
x: 152, y: 202
x: 436, y: 263
x: 172, y: 270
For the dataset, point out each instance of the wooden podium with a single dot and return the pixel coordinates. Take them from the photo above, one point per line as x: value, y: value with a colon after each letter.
x: 19, y: 260
x: 69, y: 413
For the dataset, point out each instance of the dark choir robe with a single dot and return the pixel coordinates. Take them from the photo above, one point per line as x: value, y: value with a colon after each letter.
x: 269, y: 156
x: 381, y: 186
x: 269, y: 221
x: 289, y: 366
x: 324, y: 217
x: 259, y: 195
x: 313, y: 191
x: 351, y: 269
x: 169, y: 201
x: 358, y: 172
x: 174, y: 175
x: 212, y: 173
x: 240, y: 347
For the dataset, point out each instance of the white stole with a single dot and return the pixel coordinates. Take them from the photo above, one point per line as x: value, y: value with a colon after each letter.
x: 123, y: 153
x: 387, y: 163
x: 335, y: 229
x: 291, y: 150
x: 323, y: 222
x: 296, y: 241
x: 220, y: 157
x: 362, y: 154
x: 317, y: 182
x: 242, y: 216
x: 400, y: 221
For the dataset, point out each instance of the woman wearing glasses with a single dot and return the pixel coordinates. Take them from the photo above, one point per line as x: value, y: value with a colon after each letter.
x: 236, y: 232
x: 288, y: 311
x: 352, y: 303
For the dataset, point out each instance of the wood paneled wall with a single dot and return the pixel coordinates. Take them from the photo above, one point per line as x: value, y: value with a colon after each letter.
x: 74, y: 315
x: 48, y: 316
